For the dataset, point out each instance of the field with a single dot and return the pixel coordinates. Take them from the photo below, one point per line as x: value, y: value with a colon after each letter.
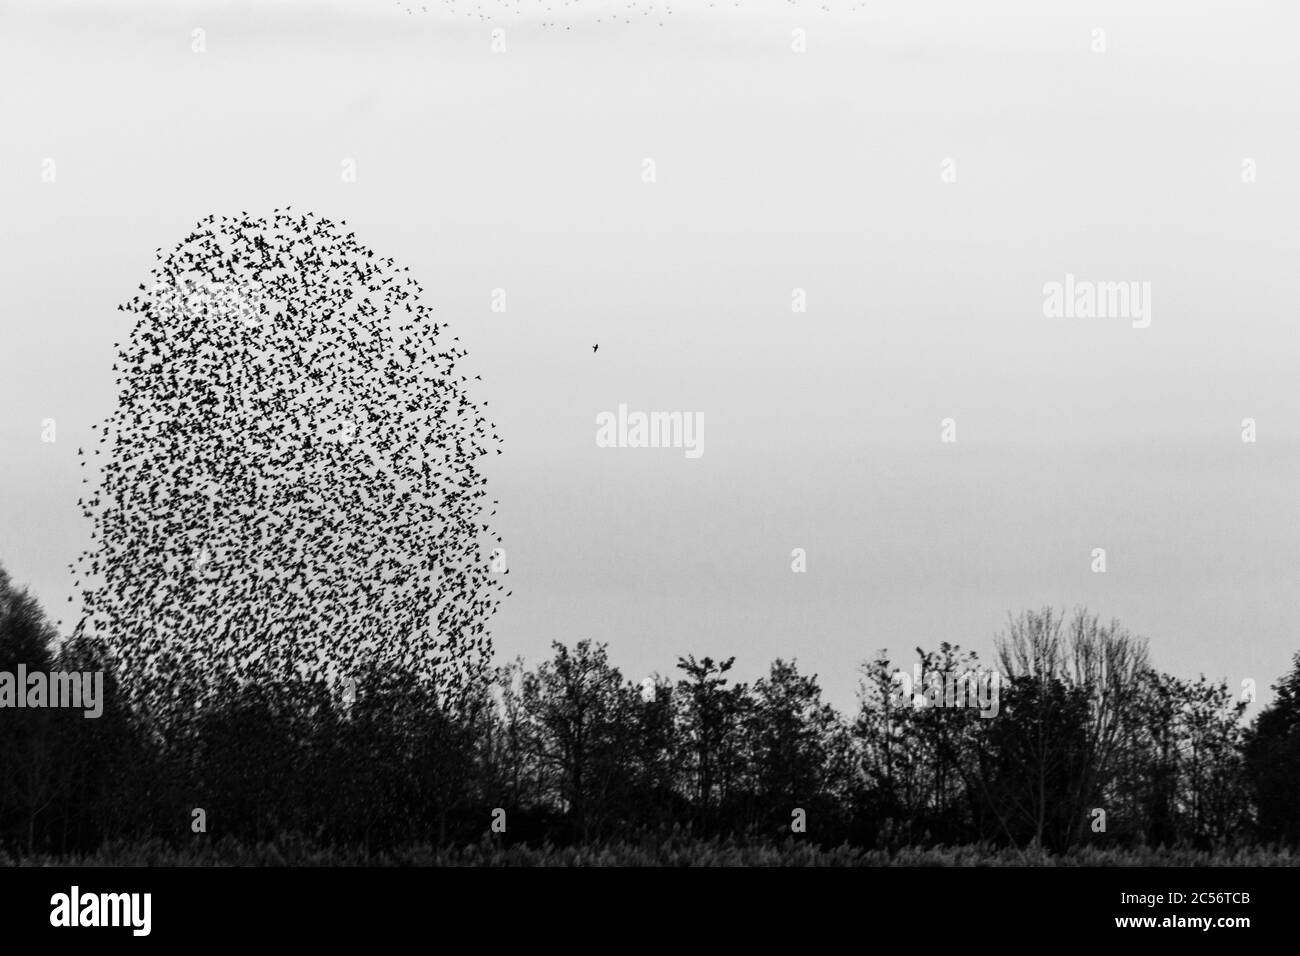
x: 671, y: 853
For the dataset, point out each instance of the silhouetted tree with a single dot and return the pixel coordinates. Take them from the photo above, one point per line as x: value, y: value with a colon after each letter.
x: 799, y: 745
x: 1272, y: 759
x: 1102, y: 665
x: 710, y: 717
x: 577, y: 702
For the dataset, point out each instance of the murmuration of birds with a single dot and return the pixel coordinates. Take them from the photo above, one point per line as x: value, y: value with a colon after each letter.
x: 290, y: 487
x: 549, y: 13
x: 570, y: 13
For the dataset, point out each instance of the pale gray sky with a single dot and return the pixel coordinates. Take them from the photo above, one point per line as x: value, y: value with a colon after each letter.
x: 775, y: 170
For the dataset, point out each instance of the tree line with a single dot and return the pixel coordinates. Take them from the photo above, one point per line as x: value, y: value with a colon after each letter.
x: 1090, y: 744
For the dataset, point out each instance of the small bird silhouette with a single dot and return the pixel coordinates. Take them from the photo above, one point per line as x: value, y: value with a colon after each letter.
x: 596, y: 346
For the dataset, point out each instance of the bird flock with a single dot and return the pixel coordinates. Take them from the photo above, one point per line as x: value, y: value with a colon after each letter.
x: 568, y: 13
x: 290, y: 485
x: 495, y: 11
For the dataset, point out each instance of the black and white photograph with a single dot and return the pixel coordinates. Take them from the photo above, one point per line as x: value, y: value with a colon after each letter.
x: 441, y: 436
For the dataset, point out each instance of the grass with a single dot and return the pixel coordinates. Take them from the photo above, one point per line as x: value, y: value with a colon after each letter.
x: 673, y: 852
